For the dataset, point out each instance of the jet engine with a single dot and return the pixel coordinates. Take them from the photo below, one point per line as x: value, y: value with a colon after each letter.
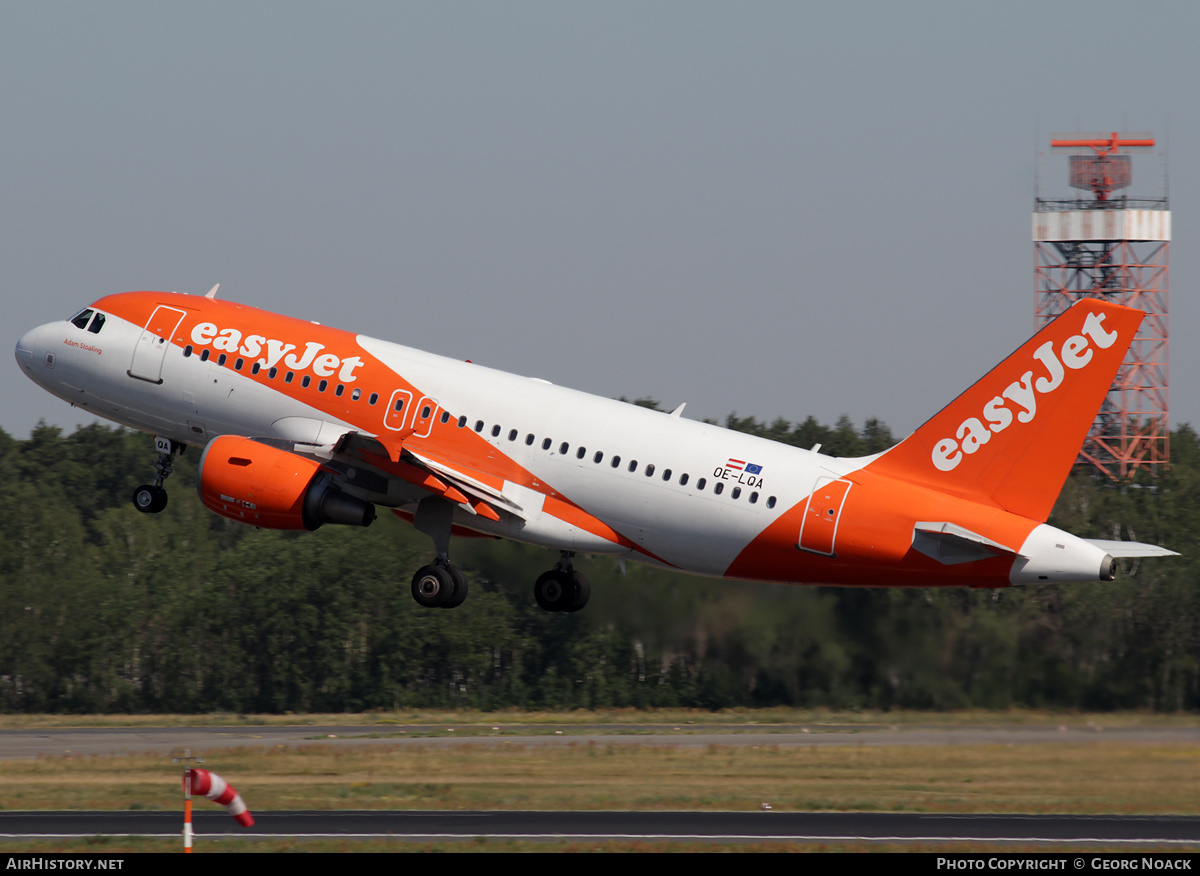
x: 255, y: 483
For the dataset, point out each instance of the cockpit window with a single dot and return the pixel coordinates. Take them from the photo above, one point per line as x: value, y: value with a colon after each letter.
x: 81, y: 320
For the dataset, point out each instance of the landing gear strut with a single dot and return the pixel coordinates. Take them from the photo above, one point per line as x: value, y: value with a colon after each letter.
x: 562, y: 588
x: 152, y: 498
x: 440, y: 584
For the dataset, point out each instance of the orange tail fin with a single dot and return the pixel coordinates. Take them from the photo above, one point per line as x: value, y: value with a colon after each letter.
x: 1011, y: 438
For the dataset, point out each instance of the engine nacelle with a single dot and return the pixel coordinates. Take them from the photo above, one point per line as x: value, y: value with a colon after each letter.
x: 255, y: 483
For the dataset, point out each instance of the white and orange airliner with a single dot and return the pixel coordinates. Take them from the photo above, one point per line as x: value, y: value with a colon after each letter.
x: 304, y: 425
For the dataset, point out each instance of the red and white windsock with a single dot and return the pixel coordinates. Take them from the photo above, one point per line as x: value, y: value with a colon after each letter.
x: 218, y: 790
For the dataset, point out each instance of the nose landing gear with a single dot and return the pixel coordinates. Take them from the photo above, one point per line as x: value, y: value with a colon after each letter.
x: 152, y: 498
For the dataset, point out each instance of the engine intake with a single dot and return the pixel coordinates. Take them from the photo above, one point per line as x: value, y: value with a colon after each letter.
x: 255, y: 483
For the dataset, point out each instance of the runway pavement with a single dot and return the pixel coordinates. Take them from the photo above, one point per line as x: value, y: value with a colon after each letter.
x: 1169, y: 831
x: 36, y: 743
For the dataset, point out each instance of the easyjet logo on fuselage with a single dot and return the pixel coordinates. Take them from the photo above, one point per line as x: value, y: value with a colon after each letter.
x: 232, y: 341
x: 1074, y: 353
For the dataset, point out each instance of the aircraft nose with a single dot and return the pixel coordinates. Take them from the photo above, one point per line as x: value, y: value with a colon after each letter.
x: 25, y: 348
x: 32, y: 350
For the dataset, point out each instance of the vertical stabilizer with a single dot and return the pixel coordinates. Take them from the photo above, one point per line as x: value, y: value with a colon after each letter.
x: 1012, y: 438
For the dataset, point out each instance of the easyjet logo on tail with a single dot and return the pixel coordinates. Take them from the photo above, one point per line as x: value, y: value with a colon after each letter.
x: 1020, y: 398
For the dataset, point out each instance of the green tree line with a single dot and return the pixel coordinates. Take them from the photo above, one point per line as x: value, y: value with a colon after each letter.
x: 103, y: 609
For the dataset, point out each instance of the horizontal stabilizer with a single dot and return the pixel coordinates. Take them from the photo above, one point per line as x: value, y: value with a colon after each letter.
x: 950, y: 544
x: 1130, y: 548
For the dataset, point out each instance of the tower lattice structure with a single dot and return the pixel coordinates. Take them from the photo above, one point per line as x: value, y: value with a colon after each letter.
x: 1116, y: 248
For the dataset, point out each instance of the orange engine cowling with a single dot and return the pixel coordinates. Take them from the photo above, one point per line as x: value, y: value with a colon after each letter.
x: 255, y: 483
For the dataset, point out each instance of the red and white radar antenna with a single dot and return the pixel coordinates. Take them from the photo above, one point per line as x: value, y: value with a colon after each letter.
x: 1114, y: 247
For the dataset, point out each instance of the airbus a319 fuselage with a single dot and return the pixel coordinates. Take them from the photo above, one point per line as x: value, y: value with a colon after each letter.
x: 304, y: 424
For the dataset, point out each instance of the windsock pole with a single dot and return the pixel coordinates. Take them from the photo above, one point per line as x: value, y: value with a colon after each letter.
x: 187, y: 812
x: 187, y: 797
x: 215, y: 788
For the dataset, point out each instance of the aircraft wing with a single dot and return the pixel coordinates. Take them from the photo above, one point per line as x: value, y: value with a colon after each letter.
x: 436, y: 478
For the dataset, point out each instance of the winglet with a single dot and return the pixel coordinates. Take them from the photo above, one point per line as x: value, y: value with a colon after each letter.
x: 1011, y: 439
x: 212, y: 293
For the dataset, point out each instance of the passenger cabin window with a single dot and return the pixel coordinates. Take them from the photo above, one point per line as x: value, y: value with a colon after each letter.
x: 546, y: 442
x: 581, y: 452
x: 719, y: 488
x: 650, y: 470
x: 770, y: 501
x: 372, y: 400
x: 683, y: 479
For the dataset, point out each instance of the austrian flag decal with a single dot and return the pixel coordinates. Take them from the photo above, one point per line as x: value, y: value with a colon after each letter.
x: 748, y: 474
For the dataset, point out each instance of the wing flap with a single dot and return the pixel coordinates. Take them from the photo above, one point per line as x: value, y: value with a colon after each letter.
x: 471, y: 495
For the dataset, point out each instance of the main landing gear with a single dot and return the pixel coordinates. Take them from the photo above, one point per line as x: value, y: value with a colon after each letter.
x: 443, y: 585
x: 439, y: 585
x: 562, y: 588
x: 152, y: 498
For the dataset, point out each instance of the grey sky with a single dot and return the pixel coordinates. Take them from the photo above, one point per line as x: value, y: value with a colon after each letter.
x: 779, y: 209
